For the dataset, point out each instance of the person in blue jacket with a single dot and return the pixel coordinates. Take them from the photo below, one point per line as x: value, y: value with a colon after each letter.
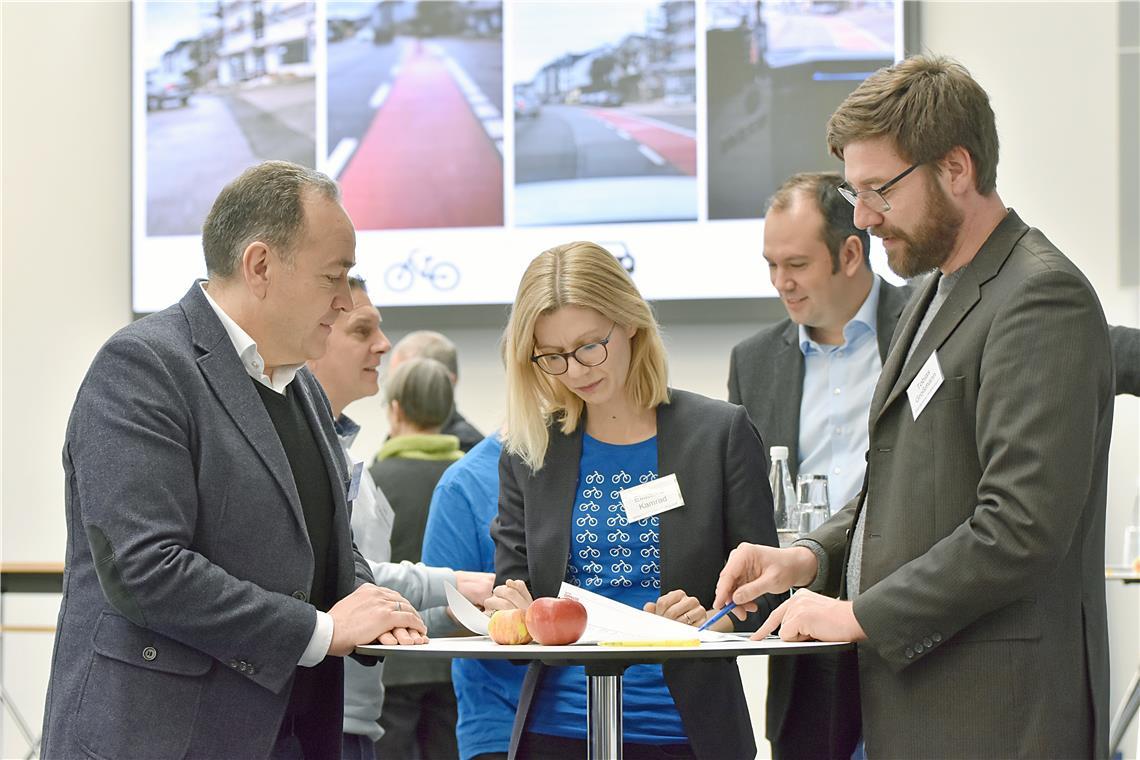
x: 458, y: 535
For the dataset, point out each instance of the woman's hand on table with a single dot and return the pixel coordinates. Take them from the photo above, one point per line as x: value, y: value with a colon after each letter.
x: 512, y: 595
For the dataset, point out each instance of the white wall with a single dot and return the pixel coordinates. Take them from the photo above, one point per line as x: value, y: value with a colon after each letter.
x: 1050, y: 68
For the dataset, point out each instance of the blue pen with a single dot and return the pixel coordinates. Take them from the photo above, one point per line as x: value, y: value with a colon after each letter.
x: 727, y: 608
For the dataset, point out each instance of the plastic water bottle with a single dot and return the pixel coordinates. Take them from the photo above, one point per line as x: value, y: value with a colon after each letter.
x: 783, y: 492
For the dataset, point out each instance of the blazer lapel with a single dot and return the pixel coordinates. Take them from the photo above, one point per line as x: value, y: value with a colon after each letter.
x: 961, y: 299
x: 788, y: 364
x: 892, y: 300
x: 910, y: 320
x: 557, y: 485
x: 966, y: 293
x: 223, y: 370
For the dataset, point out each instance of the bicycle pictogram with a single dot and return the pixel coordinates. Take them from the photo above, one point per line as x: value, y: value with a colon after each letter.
x: 443, y: 275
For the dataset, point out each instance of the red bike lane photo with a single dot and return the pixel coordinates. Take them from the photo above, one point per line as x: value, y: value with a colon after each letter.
x: 426, y: 159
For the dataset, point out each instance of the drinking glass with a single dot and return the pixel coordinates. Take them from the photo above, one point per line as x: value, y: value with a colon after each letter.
x: 814, y: 506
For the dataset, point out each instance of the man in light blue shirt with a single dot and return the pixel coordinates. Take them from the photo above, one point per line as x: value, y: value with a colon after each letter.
x: 807, y: 383
x: 839, y: 379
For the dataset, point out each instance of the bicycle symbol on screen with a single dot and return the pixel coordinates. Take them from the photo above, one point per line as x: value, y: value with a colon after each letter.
x: 443, y: 275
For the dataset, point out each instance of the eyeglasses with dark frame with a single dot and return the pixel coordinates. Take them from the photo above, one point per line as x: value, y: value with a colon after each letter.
x: 873, y: 197
x: 588, y: 355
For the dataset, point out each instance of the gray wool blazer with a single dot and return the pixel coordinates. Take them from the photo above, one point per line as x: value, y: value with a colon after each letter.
x: 188, y: 562
x: 720, y: 464
x: 982, y: 571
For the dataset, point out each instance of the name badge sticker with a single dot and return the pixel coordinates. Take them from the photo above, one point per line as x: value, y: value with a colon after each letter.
x: 926, y: 383
x: 354, y: 484
x: 652, y: 498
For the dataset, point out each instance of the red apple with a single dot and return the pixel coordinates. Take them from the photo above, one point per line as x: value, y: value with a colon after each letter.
x: 556, y: 621
x: 509, y: 627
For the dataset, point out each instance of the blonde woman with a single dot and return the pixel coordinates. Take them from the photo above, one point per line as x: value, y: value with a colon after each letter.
x: 589, y: 414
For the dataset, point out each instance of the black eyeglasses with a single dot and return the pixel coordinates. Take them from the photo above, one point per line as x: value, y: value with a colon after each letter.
x: 874, y: 197
x: 589, y: 355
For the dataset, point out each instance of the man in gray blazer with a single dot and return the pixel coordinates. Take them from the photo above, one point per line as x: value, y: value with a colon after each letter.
x: 806, y: 382
x: 211, y: 585
x: 971, y: 568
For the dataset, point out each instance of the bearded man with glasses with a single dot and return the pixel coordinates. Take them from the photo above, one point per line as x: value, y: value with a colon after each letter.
x: 970, y: 567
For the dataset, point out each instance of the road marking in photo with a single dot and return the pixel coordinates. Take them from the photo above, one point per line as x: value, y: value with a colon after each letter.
x: 668, y: 127
x: 651, y: 154
x: 340, y: 155
x: 670, y: 145
x: 464, y: 189
x: 380, y: 95
x: 481, y: 105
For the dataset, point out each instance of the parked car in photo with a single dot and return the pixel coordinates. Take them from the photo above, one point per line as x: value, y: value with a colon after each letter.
x: 527, y: 104
x: 602, y: 98
x: 162, y: 88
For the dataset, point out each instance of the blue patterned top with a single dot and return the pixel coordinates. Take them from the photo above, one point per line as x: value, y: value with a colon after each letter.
x: 621, y: 561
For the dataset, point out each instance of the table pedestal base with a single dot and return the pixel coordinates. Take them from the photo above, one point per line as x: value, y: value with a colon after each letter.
x: 603, y: 710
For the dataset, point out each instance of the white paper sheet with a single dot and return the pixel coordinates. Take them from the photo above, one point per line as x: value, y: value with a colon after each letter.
x: 606, y: 620
x: 468, y: 615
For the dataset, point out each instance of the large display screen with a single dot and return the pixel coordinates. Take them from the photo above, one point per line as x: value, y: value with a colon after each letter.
x: 467, y: 137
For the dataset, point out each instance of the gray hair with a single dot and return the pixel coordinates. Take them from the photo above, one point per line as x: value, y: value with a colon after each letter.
x: 430, y: 345
x: 422, y: 387
x: 265, y: 203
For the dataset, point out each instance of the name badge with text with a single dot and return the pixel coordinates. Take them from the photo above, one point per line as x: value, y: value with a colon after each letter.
x: 354, y: 484
x: 925, y: 384
x: 652, y: 498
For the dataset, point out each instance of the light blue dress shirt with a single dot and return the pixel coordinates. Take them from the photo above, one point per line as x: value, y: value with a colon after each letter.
x: 838, y: 384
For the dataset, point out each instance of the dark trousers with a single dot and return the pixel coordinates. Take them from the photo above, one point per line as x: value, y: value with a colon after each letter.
x: 822, y: 719
x: 419, y: 723
x: 546, y: 747
x: 357, y: 747
x: 311, y: 729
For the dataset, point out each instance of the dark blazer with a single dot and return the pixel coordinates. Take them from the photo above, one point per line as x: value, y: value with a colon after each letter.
x: 1126, y: 358
x: 812, y: 708
x: 457, y: 425
x: 982, y: 574
x: 188, y: 562
x: 719, y: 461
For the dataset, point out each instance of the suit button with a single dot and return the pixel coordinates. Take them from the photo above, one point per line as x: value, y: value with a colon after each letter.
x: 301, y: 595
x: 234, y: 664
x: 149, y: 653
x: 927, y: 642
x: 918, y: 648
x: 937, y: 637
x: 909, y: 653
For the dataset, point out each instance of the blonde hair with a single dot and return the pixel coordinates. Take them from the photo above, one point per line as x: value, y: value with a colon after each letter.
x: 926, y: 105
x: 575, y: 274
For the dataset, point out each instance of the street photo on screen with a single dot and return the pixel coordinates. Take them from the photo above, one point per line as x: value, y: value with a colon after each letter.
x: 605, y: 111
x: 776, y: 71
x: 415, y: 112
x: 228, y: 84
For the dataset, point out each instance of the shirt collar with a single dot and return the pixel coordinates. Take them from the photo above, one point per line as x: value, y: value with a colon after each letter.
x: 346, y: 429
x: 246, y: 348
x: 865, y: 321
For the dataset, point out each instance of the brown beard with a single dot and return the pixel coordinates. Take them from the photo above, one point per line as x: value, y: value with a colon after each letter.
x: 931, y: 244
